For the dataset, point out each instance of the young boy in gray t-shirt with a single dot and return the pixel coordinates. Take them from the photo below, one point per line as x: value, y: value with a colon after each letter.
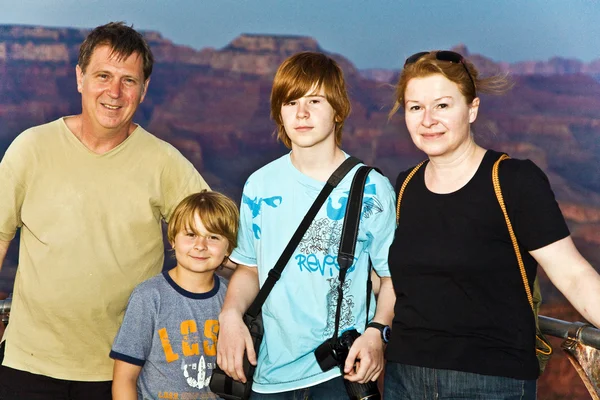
x: 167, y: 344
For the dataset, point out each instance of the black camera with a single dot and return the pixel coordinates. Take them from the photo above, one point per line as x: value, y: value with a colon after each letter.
x: 333, y: 352
x: 225, y: 386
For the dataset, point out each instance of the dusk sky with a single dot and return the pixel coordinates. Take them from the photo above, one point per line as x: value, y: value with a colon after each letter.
x: 372, y: 34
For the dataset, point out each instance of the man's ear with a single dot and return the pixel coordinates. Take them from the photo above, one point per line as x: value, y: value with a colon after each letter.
x: 79, y: 75
x: 145, y: 90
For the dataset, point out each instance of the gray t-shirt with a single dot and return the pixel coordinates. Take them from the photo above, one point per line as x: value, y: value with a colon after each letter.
x: 172, y: 334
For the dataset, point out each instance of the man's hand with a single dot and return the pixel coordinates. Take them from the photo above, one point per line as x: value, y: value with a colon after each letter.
x: 234, y: 338
x: 365, y: 358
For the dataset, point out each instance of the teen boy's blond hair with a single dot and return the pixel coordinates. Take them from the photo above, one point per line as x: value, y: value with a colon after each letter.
x: 309, y: 71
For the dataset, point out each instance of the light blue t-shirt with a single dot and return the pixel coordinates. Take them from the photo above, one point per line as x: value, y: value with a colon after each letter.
x: 299, y: 313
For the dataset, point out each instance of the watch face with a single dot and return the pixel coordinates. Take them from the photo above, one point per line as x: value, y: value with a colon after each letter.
x: 386, y: 333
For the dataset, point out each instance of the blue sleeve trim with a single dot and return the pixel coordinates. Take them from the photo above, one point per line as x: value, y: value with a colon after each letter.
x: 122, y: 357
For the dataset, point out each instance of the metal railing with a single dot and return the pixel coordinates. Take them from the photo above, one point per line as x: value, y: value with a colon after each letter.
x: 586, y: 333
x: 581, y: 345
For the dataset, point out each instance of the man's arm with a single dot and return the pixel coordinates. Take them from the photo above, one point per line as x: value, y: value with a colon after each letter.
x: 234, y: 336
x: 368, y: 348
x: 3, y: 250
x: 125, y: 375
x: 573, y: 276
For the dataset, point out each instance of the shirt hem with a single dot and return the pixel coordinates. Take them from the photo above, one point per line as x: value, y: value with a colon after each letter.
x: 295, y: 385
x: 67, y: 376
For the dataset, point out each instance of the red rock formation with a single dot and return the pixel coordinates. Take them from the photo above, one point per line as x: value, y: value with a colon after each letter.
x: 213, y: 105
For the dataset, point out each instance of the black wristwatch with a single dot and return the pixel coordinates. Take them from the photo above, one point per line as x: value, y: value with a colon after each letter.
x: 385, y: 330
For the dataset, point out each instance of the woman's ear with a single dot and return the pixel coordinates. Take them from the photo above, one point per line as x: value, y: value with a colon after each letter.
x: 473, y: 110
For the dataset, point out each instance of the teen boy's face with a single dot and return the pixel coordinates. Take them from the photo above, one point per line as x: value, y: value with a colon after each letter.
x: 309, y: 120
x: 199, y: 250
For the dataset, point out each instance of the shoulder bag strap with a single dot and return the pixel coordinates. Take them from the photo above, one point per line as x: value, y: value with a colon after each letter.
x: 542, y: 345
x: 511, y: 232
x: 275, y: 272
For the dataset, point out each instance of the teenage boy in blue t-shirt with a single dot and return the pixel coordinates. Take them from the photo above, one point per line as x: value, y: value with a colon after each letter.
x: 166, y: 346
x: 309, y: 104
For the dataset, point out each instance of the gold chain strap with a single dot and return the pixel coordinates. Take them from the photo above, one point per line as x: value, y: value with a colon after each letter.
x: 401, y: 192
x: 500, y: 198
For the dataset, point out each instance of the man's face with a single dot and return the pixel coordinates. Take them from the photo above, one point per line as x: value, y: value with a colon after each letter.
x: 111, y: 90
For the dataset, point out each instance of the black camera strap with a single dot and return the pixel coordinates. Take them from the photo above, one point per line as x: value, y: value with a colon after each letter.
x: 275, y: 272
x: 348, y: 240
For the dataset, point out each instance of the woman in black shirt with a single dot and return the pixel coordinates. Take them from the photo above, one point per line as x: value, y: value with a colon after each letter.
x: 463, y: 326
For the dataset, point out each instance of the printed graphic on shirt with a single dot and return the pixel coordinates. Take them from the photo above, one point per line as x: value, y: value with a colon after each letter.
x: 318, y: 249
x: 255, y: 206
x: 195, y: 369
x: 186, y: 395
x: 371, y: 205
x: 346, y: 316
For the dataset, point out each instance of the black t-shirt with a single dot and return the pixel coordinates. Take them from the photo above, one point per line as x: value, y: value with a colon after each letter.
x: 461, y: 304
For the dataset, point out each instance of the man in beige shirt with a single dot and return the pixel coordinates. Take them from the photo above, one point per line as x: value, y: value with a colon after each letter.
x: 89, y: 193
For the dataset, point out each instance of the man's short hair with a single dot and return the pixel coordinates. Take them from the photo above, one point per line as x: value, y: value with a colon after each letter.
x: 218, y: 213
x: 305, y: 71
x: 122, y: 39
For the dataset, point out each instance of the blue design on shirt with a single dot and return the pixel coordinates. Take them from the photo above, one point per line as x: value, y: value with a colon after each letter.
x: 255, y: 206
x: 336, y: 214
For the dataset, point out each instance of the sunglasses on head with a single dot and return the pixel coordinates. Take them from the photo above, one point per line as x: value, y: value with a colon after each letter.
x: 443, y: 55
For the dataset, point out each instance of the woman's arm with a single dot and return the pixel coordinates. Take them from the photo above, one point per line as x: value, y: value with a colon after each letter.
x: 573, y: 276
x: 125, y: 375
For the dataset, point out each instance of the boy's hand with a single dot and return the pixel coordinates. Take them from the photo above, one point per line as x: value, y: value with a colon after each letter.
x: 365, y: 358
x: 234, y: 338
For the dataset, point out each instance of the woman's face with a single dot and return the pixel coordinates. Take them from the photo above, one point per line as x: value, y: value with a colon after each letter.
x: 437, y: 115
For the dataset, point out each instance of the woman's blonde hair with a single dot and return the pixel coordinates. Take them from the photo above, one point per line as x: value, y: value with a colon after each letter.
x: 456, y: 72
x: 218, y: 213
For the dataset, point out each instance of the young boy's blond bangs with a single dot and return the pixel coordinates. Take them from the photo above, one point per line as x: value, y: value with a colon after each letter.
x: 218, y: 213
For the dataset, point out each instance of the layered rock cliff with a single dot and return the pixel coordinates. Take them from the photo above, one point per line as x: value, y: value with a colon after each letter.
x: 213, y: 104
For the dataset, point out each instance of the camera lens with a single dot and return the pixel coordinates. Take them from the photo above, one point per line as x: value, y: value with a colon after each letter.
x: 362, y: 391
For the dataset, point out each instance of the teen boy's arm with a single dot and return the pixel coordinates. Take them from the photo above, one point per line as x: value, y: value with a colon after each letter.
x: 226, y: 269
x: 234, y: 336
x: 369, y: 347
x: 124, y: 386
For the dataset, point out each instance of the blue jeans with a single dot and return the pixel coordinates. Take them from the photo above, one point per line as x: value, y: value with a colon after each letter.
x: 407, y: 382
x: 332, y: 389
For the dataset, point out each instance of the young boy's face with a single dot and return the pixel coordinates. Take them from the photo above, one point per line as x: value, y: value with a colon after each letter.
x: 309, y: 120
x: 198, y: 250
